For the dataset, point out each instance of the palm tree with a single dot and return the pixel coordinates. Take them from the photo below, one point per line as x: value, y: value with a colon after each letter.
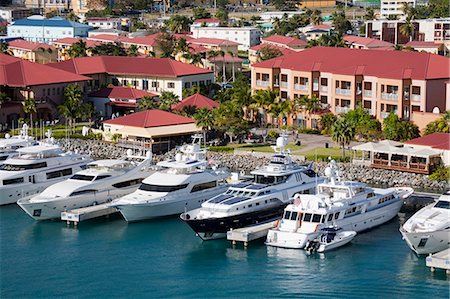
x: 146, y: 103
x: 370, y: 14
x: 178, y: 23
x: 71, y: 108
x: 262, y: 100
x: 4, y: 48
x: 315, y: 17
x: 407, y: 29
x: 189, y: 110
x: 310, y: 105
x: 280, y: 109
x: 193, y: 58
x: 133, y: 51
x: 342, y: 132
x: 167, y: 99
x: 77, y: 49
x: 204, y: 119
x: 29, y: 107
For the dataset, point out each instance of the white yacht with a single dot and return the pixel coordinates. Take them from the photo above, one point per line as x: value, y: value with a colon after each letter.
x: 258, y: 200
x: 182, y: 184
x: 35, y: 168
x: 9, y: 145
x: 428, y: 230
x: 351, y: 206
x: 101, y: 181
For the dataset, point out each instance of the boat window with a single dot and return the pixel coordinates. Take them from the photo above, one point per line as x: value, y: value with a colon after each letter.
x: 330, y: 217
x: 307, y: 217
x: 12, y: 167
x: 294, y: 215
x: 59, y: 173
x: 161, y: 188
x: 83, y: 192
x: 323, y: 218
x: 82, y: 177
x: 371, y: 194
x: 316, y: 218
x: 310, y: 173
x: 12, y: 181
x: 204, y: 186
x: 336, y: 216
x: 442, y: 204
x: 101, y: 177
x: 267, y: 180
x: 3, y: 158
x: 287, y: 215
x: 127, y: 183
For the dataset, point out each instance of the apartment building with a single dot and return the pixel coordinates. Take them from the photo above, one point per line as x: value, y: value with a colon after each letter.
x: 79, y: 7
x: 246, y: 36
x: 394, y: 7
x: 62, y: 46
x: 149, y: 74
x: 10, y: 14
x: 104, y: 23
x: 31, y: 51
x: 406, y: 83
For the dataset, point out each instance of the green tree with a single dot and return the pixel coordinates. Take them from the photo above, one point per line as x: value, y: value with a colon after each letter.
x: 340, y: 22
x: 328, y: 40
x: 326, y: 122
x: 77, y: 49
x: 188, y: 110
x: 200, y: 13
x: 133, y: 51
x: 146, y: 103
x: 178, y: 24
x: 204, y: 119
x: 370, y: 14
x: 262, y: 100
x: 268, y: 52
x: 399, y: 130
x: 72, y: 17
x: 441, y: 125
x: 407, y: 29
x: 365, y: 125
x: 71, y: 108
x: 228, y: 119
x: 109, y: 49
x: 279, y: 110
x: 311, y: 105
x: 222, y: 15
x: 438, y: 9
x: 315, y: 17
x: 4, y: 98
x: 167, y: 99
x: 167, y: 43
x: 285, y: 5
x: 342, y: 132
x: 29, y: 107
x: 4, y: 48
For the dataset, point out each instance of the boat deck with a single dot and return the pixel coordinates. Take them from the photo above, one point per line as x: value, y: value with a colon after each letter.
x: 77, y: 215
x: 440, y: 260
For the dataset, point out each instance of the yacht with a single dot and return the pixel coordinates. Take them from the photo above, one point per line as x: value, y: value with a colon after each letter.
x: 428, y: 230
x: 182, y: 183
x: 101, y: 182
x: 254, y: 201
x: 350, y: 206
x: 34, y: 168
x: 10, y: 144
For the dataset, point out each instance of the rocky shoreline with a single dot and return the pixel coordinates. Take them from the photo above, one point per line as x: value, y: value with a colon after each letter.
x: 246, y: 163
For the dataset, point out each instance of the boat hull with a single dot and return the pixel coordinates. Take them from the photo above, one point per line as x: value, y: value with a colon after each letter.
x: 340, y: 240
x: 427, y: 242
x: 216, y: 228
x: 10, y: 195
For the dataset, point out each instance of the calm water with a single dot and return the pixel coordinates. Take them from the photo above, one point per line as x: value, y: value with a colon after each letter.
x: 164, y: 259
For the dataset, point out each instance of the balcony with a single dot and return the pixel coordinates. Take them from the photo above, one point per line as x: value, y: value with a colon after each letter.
x: 301, y: 87
x: 262, y: 83
x: 415, y: 97
x: 389, y: 96
x: 283, y: 84
x: 323, y: 88
x: 367, y: 93
x: 315, y: 86
x: 340, y: 109
x: 343, y: 92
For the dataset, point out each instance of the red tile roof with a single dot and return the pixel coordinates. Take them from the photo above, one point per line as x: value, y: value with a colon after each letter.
x: 322, y: 26
x: 367, y: 42
x: 16, y: 72
x: 435, y: 140
x: 150, y: 118
x: 108, y: 38
x: 163, y: 67
x: 208, y: 20
x: 194, y: 48
x: 283, y: 50
x: 419, y: 44
x: 26, y: 45
x: 285, y: 40
x: 68, y: 41
x: 197, y: 100
x: 119, y: 92
x: 226, y: 58
x: 383, y: 64
x: 212, y: 41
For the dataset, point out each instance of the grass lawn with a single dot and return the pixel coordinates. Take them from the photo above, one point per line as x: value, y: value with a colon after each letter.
x: 322, y: 154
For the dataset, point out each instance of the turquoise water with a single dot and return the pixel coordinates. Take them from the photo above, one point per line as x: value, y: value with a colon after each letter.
x: 161, y: 259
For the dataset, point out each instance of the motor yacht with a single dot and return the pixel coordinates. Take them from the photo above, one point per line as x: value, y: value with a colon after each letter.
x: 254, y: 201
x: 428, y: 230
x: 182, y: 183
x: 10, y: 144
x: 102, y: 181
x: 35, y: 168
x: 351, y: 206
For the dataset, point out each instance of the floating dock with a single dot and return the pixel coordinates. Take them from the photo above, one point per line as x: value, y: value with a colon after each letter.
x: 77, y: 215
x: 250, y: 233
x: 440, y: 260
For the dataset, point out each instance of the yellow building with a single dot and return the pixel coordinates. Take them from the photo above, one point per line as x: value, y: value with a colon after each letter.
x: 316, y: 3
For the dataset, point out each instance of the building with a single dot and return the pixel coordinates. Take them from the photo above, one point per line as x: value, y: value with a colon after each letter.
x: 313, y: 32
x: 410, y: 84
x: 210, y: 22
x: 358, y: 42
x: 216, y: 44
x: 311, y: 4
x: 11, y: 14
x: 289, y: 42
x: 150, y: 74
x: 436, y: 141
x: 429, y: 47
x: 104, y: 23
x: 254, y: 52
x: 246, y: 36
x: 117, y: 100
x: 40, y: 29
x: 394, y: 7
x: 79, y: 7
x: 22, y: 80
x: 196, y: 100
x: 31, y: 51
x: 62, y: 46
x: 159, y: 130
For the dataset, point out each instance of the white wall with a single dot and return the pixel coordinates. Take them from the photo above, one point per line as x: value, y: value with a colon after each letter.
x: 246, y: 36
x: 45, y: 34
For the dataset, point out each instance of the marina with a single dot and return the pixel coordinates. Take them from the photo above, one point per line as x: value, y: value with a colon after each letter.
x: 250, y: 233
x: 75, y: 216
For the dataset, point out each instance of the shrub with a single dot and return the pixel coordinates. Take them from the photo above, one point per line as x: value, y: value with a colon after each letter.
x: 221, y: 149
x: 273, y: 134
x: 308, y: 131
x: 441, y: 173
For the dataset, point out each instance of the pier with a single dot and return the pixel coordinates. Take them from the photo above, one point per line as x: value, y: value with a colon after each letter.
x: 440, y: 260
x: 250, y: 233
x: 77, y: 215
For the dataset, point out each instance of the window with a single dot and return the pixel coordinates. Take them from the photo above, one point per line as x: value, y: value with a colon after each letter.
x: 127, y: 183
x: 101, y: 177
x: 204, y: 186
x: 59, y: 173
x: 330, y: 217
x: 12, y: 181
x: 187, y: 85
x: 155, y: 84
x: 125, y: 82
x: 416, y: 90
x: 316, y: 218
x: 294, y: 215
x: 161, y: 188
x: 12, y: 167
x: 170, y: 85
x: 287, y: 215
x: 83, y: 192
x: 336, y: 216
x: 145, y: 84
x: 307, y: 217
x: 81, y: 177
x: 324, y: 81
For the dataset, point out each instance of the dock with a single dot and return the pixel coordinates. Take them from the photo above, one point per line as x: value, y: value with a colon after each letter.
x: 77, y: 215
x: 250, y: 233
x: 440, y: 260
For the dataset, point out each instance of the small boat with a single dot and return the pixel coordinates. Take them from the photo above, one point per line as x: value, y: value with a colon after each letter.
x: 330, y: 238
